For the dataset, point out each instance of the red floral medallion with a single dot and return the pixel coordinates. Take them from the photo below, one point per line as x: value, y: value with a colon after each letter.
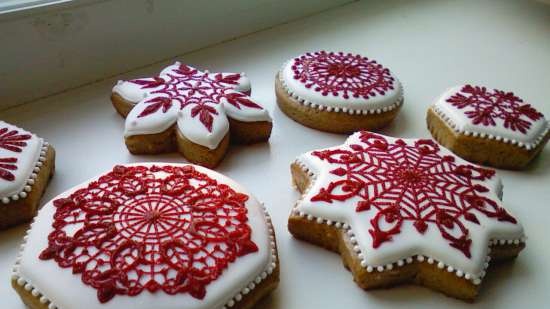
x: 158, y: 228
x: 342, y: 74
x: 187, y: 86
x: 416, y: 183
x: 485, y: 107
x: 14, y: 141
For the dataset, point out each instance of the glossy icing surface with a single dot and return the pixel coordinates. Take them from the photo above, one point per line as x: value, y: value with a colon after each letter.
x: 198, y: 101
x: 249, y: 257
x: 341, y: 81
x: 492, y: 113
x: 20, y: 152
x: 407, y: 197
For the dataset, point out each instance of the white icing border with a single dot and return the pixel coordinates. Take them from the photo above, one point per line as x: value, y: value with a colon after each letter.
x: 528, y: 146
x: 346, y: 228
x: 269, y: 269
x: 23, y: 193
x: 350, y: 111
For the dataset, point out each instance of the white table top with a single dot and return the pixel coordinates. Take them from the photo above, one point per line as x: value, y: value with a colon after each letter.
x: 429, y: 45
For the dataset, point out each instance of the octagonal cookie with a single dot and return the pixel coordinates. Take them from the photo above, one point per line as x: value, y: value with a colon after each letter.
x: 488, y: 126
x: 404, y: 210
x: 165, y: 236
x: 27, y: 163
x: 338, y: 92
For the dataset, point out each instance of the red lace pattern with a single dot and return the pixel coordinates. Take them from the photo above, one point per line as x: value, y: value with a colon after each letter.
x: 344, y: 75
x: 485, y: 107
x: 187, y: 86
x: 159, y: 228
x: 415, y: 183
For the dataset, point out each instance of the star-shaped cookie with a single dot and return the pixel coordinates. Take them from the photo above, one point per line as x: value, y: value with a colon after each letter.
x: 404, y: 210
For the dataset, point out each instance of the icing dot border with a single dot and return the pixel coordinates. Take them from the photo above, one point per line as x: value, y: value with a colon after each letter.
x: 347, y: 230
x: 451, y: 124
x: 30, y: 181
x: 272, y: 264
x: 365, y: 111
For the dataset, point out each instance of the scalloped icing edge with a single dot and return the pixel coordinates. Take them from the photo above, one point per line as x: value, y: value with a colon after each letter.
x: 350, y: 111
x: 23, y: 193
x: 346, y: 228
x: 498, y: 138
x: 269, y: 269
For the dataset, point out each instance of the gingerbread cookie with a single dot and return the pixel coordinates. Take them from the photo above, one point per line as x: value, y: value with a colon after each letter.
x: 404, y: 210
x: 491, y: 127
x: 194, y: 112
x: 142, y: 236
x: 338, y: 92
x: 26, y: 165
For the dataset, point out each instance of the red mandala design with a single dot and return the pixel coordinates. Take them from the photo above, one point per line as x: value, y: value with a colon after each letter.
x: 12, y: 140
x: 342, y: 74
x: 414, y: 183
x: 159, y: 228
x: 485, y: 106
x: 189, y: 86
x: 6, y: 166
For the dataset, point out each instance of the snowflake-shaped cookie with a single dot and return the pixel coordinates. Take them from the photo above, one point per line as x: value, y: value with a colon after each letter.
x: 492, y: 113
x: 198, y: 102
x: 149, y: 235
x: 403, y: 198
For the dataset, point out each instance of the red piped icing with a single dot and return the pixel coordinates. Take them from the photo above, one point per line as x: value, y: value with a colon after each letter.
x: 13, y: 140
x: 6, y: 166
x: 343, y: 75
x: 485, y: 107
x: 186, y: 86
x: 159, y: 228
x: 415, y: 183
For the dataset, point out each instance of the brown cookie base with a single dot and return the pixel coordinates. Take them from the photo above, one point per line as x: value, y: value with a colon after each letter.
x: 261, y: 290
x: 24, y: 209
x: 481, y: 150
x: 172, y: 140
x: 335, y: 122
x: 422, y: 273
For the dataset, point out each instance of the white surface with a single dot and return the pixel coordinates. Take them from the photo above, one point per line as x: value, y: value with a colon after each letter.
x: 429, y: 45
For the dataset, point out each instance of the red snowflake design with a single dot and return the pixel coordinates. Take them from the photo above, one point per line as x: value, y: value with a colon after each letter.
x: 484, y: 107
x: 6, y: 166
x: 415, y: 183
x: 342, y: 74
x: 188, y: 86
x: 12, y: 140
x: 133, y: 230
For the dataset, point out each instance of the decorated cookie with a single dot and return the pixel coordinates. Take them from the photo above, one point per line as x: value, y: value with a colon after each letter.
x: 194, y: 112
x: 26, y: 165
x: 488, y: 126
x: 338, y: 92
x: 149, y: 236
x: 404, y: 210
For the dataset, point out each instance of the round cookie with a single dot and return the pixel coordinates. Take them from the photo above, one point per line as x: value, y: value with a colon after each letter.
x: 26, y: 166
x: 338, y: 92
x: 404, y: 210
x: 490, y: 127
x: 196, y: 113
x: 164, y: 236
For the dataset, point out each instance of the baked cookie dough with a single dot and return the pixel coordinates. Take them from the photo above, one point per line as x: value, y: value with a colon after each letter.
x: 338, y: 92
x: 488, y: 126
x: 27, y: 163
x: 404, y: 210
x: 142, y: 236
x: 197, y: 113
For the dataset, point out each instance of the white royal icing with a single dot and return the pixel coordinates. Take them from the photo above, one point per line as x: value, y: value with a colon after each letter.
x: 60, y: 288
x: 461, y: 123
x: 408, y: 245
x: 374, y: 104
x: 29, y: 160
x: 189, y: 123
